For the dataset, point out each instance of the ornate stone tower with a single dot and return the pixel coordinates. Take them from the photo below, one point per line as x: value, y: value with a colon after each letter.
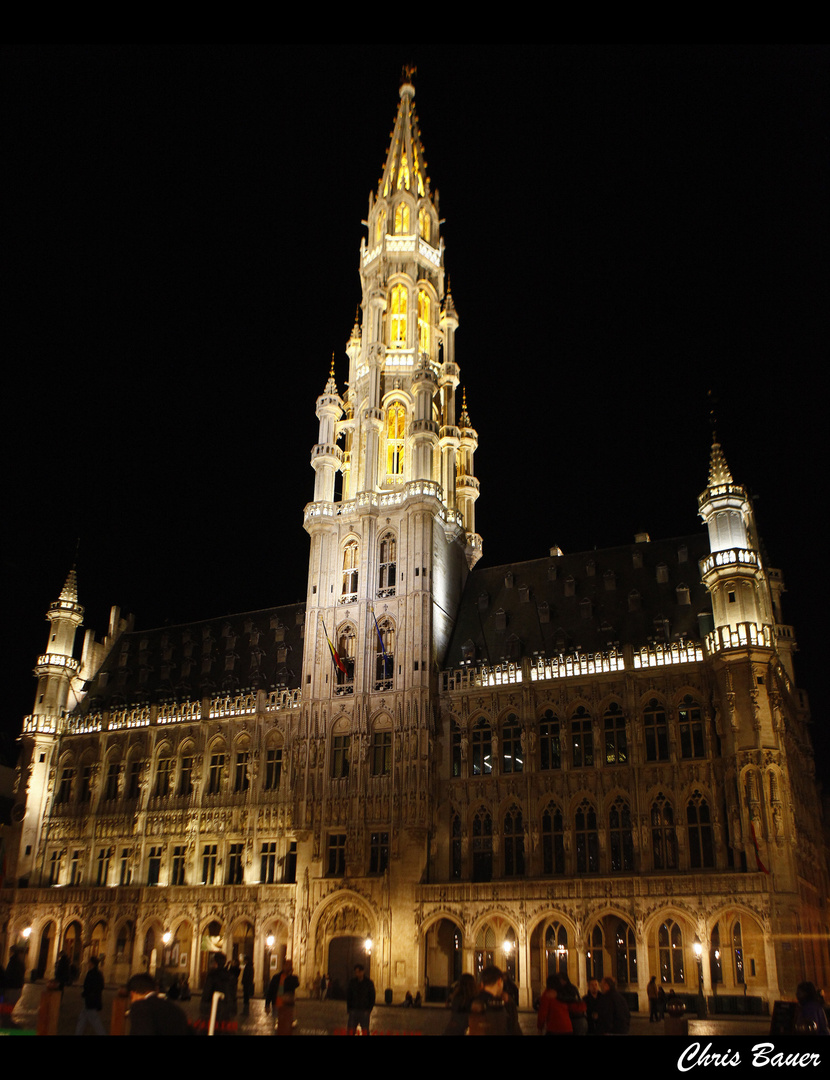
x: 390, y: 555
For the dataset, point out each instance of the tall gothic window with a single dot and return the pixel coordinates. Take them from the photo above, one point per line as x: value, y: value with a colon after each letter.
x: 738, y: 954
x: 550, y: 749
x: 217, y: 764
x: 691, y: 729
x: 397, y: 317
x: 622, y: 844
x: 701, y: 848
x: 582, y: 738
x: 273, y: 768
x: 626, y: 955
x: 402, y: 217
x: 657, y: 731
x: 556, y: 949
x: 616, y: 749
x: 553, y: 840
x: 455, y: 748
x: 587, y: 839
x: 387, y: 564
x: 456, y: 847
x: 482, y: 846
x: 670, y: 948
x: 482, y: 748
x: 595, y: 968
x: 395, y: 443
x: 663, y: 835
x: 514, y: 843
x: 423, y: 321
x: 164, y: 776
x: 384, y: 655
x: 346, y: 651
x: 424, y: 223
x: 380, y: 226
x: 382, y: 752
x: 511, y: 746
x: 348, y: 592
x: 340, y: 745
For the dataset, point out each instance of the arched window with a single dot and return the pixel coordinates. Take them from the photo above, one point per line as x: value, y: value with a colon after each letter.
x: 348, y: 593
x: 663, y: 835
x: 587, y: 839
x: 424, y: 223
x: 387, y: 564
x: 625, y: 945
x: 514, y: 843
x: 595, y: 966
x: 164, y: 773
x: 395, y: 443
x: 616, y: 749
x: 670, y: 947
x: 550, y: 749
x: 511, y: 745
x: 384, y: 654
x: 482, y: 846
x: 657, y: 732
x: 691, y: 729
x: 556, y: 949
x: 346, y: 651
x: 482, y: 748
x: 622, y: 844
x: 398, y: 312
x: 553, y: 840
x: 402, y: 216
x: 423, y: 321
x: 701, y: 848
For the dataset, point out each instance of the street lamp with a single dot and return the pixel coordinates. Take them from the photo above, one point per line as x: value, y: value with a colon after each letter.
x: 701, y: 1000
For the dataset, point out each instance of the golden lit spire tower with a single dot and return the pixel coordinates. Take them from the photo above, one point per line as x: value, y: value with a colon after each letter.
x: 389, y: 557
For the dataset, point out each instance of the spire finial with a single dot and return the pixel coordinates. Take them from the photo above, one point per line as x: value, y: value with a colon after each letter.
x: 407, y: 78
x: 331, y: 385
x: 464, y: 419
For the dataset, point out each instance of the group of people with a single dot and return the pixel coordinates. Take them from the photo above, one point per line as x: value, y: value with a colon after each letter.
x: 490, y: 1007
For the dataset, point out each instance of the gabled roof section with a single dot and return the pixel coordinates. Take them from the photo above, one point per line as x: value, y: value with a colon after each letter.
x: 405, y: 168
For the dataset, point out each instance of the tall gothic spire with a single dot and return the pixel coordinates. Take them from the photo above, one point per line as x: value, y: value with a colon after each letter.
x: 405, y: 168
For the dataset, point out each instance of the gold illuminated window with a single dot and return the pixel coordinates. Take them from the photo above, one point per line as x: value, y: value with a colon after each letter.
x: 424, y: 223
x: 402, y: 219
x: 395, y: 432
x: 350, y: 571
x: 423, y: 321
x: 380, y: 227
x: 398, y: 317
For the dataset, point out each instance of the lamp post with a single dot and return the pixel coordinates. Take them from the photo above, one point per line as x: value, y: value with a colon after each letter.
x: 701, y: 1000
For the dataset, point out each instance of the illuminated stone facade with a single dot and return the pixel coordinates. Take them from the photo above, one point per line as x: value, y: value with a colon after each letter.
x: 596, y: 760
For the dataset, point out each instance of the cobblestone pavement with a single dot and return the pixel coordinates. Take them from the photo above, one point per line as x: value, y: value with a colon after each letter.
x: 329, y: 1018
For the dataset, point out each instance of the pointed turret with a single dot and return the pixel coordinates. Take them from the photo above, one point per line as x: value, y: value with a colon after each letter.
x: 326, y: 456
x: 56, y: 667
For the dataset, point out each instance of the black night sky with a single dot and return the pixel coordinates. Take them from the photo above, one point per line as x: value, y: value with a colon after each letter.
x: 626, y: 228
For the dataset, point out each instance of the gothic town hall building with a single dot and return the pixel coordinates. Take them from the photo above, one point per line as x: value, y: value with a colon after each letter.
x: 586, y: 762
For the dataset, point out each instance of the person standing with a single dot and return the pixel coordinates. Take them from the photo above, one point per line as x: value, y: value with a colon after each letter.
x: 591, y: 1000
x: 653, y: 1000
x: 614, y: 1014
x: 93, y: 995
x: 360, y: 1000
x: 281, y: 991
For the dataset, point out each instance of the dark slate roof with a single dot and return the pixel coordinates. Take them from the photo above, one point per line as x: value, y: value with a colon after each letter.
x: 588, y: 601
x: 233, y: 654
